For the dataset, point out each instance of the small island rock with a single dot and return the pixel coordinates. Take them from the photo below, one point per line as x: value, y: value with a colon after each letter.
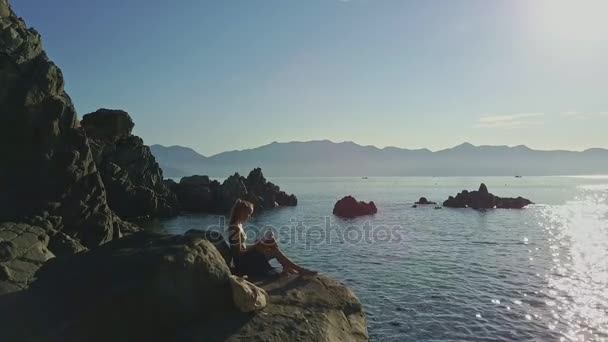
x: 483, y: 199
x: 423, y: 200
x: 349, y: 207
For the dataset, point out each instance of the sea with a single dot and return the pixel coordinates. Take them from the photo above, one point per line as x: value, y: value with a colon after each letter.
x: 440, y: 274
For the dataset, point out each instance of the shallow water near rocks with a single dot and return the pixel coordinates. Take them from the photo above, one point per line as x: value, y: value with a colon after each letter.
x: 426, y: 274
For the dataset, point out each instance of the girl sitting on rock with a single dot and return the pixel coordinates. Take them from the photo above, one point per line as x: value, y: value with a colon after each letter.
x: 253, y: 260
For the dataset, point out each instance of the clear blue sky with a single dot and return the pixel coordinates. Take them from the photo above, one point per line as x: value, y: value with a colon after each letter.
x: 232, y: 74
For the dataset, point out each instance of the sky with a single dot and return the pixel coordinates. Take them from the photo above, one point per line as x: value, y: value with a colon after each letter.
x: 219, y: 75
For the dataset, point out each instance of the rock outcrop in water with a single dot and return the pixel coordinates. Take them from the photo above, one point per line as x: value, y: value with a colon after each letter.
x: 132, y: 177
x: 349, y: 207
x: 483, y: 199
x: 200, y: 194
x: 424, y: 201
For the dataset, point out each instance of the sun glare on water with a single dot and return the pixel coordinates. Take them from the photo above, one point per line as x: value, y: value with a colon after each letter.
x: 576, y: 286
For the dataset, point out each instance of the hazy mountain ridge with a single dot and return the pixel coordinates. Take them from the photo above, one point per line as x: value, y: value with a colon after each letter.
x: 326, y: 158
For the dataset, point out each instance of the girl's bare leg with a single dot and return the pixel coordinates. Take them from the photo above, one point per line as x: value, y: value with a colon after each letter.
x: 271, y: 249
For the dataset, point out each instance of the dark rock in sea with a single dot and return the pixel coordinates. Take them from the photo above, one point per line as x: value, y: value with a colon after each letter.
x: 200, y: 194
x: 349, y: 207
x: 132, y: 177
x: 483, y: 199
x: 197, y: 193
x: 424, y: 201
x: 47, y: 167
x: 270, y: 194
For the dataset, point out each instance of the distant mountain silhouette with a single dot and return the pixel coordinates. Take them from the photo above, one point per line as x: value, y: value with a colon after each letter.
x: 326, y: 158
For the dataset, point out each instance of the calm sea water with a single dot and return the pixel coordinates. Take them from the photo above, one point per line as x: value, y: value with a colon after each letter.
x: 537, y: 274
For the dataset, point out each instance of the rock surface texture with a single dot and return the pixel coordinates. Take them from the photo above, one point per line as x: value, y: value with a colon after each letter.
x: 152, y: 287
x: 349, y: 207
x: 138, y: 288
x: 23, y: 249
x: 132, y: 177
x: 47, y: 168
x: 200, y: 194
x: 483, y: 199
x: 300, y: 309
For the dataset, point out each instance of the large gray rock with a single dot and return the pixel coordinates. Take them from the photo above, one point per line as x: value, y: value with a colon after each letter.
x: 303, y: 309
x: 132, y: 177
x: 144, y: 287
x: 47, y: 165
x: 23, y: 250
x: 152, y: 287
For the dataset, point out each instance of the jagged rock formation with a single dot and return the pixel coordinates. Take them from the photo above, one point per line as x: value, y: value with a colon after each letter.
x: 132, y: 177
x: 47, y: 168
x: 349, y: 207
x: 483, y: 199
x: 200, y: 194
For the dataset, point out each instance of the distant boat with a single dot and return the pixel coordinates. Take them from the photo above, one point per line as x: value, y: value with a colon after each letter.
x: 363, y: 177
x: 517, y: 176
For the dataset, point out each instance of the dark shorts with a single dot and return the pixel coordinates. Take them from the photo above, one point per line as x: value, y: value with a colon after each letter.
x: 252, y: 263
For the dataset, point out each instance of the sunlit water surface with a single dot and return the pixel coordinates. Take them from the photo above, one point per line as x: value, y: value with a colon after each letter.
x: 423, y: 274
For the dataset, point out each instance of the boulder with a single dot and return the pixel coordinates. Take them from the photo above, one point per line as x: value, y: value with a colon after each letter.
x: 132, y: 177
x: 424, y: 201
x: 142, y: 287
x: 107, y: 124
x: 153, y: 287
x: 349, y: 207
x: 23, y: 250
x: 483, y: 199
x: 216, y: 238
x: 299, y: 309
x: 47, y: 165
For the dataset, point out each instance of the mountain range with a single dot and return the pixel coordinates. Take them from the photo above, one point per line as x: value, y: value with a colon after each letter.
x: 327, y: 158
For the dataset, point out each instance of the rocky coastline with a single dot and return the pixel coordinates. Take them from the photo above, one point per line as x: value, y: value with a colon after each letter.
x: 73, y: 268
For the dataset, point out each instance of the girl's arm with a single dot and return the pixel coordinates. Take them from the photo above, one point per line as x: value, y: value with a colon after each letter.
x: 236, y: 241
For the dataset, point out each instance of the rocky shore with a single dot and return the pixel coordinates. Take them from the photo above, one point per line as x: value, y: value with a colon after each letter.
x: 72, y: 268
x: 201, y: 194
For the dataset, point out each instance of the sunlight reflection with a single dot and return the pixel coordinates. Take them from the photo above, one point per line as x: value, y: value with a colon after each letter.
x: 579, y: 277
